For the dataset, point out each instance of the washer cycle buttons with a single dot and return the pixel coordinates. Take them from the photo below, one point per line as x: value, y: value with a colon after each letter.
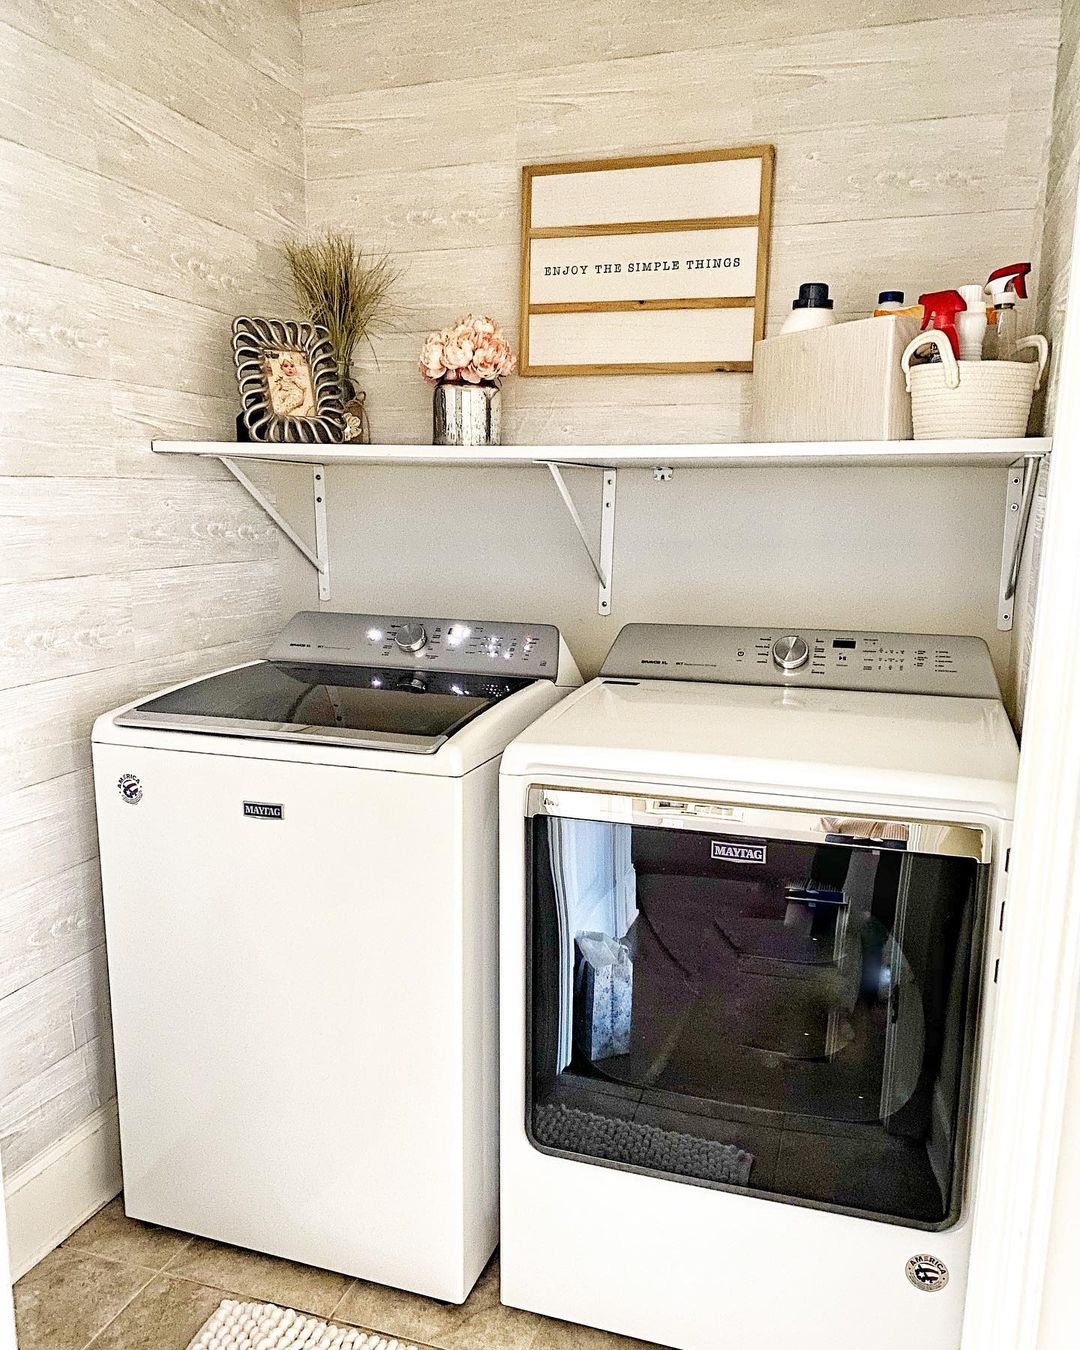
x: 790, y: 652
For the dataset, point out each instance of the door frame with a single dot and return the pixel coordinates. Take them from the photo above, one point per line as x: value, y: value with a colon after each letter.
x: 1040, y: 954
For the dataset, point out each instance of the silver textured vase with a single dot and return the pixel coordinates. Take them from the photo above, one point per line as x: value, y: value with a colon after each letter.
x: 467, y: 414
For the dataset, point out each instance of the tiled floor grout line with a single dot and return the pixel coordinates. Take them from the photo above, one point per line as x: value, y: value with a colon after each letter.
x: 341, y: 1300
x: 115, y: 1260
x: 151, y: 1276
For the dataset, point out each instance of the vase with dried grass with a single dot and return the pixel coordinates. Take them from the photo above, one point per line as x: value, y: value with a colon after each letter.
x: 349, y: 291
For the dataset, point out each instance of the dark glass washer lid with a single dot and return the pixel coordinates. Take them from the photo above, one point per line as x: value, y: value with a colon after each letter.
x: 360, y: 706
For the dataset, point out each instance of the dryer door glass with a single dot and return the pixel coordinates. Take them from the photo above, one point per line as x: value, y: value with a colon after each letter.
x: 790, y: 1013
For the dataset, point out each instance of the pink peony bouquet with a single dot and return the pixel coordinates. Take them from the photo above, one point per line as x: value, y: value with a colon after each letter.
x: 471, y: 351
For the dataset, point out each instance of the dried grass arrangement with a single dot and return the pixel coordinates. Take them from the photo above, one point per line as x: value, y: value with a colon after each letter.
x: 349, y: 292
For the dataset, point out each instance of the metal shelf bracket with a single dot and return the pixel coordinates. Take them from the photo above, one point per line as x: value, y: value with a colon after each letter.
x: 319, y: 557
x: 602, y: 561
x: 1019, y: 499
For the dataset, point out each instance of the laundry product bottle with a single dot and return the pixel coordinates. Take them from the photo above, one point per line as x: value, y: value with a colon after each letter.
x: 971, y: 323
x: 889, y: 302
x: 1005, y: 287
x: 940, y: 309
x: 812, y: 308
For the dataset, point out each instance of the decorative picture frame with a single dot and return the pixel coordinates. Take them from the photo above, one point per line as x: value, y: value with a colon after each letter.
x: 287, y: 371
x: 652, y: 264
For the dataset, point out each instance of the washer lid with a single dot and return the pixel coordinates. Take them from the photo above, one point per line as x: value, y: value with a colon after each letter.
x: 377, y: 707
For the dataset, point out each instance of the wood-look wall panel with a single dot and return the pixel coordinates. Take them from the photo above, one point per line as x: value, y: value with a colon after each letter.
x: 153, y: 149
x: 49, y: 629
x: 261, y: 33
x: 48, y: 924
x: 835, y: 175
x: 152, y: 164
x: 723, y: 96
x: 47, y: 828
x: 45, y: 727
x: 143, y: 44
x: 72, y: 218
x: 347, y: 47
x: 1060, y: 207
x: 56, y: 1102
x: 55, y: 320
x: 43, y: 1023
x: 142, y: 412
x: 92, y: 526
x: 49, y: 105
x: 46, y: 100
x: 75, y: 426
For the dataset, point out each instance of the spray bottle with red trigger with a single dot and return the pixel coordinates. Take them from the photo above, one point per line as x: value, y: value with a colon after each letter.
x: 940, y: 309
x: 1005, y: 287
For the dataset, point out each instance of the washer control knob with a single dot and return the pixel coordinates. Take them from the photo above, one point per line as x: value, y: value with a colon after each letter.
x: 411, y: 637
x: 790, y: 652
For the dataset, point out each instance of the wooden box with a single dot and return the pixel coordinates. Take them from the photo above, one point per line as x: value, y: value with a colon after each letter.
x: 841, y: 383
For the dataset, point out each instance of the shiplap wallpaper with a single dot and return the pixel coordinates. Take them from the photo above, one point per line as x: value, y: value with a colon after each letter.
x: 1059, y: 211
x: 151, y: 159
x: 910, y: 153
x: 903, y: 159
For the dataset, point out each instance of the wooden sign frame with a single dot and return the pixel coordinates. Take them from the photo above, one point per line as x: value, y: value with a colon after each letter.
x: 716, y: 320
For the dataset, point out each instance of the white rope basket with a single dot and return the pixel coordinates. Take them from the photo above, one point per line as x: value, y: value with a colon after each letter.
x: 957, y: 400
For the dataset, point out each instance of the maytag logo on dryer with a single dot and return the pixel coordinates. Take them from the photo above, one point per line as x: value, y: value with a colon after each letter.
x: 740, y: 853
x: 130, y: 789
x: 264, y: 810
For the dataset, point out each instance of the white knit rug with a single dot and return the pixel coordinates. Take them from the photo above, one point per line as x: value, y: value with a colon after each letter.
x: 262, y: 1326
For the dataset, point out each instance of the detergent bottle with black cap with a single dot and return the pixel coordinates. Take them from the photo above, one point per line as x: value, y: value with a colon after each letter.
x: 1005, y: 287
x: 812, y: 308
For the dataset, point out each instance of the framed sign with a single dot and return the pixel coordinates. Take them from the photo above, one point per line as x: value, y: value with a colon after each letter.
x: 650, y: 265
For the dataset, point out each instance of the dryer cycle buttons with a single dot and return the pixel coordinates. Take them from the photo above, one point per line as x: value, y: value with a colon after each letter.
x: 411, y: 637
x: 790, y: 652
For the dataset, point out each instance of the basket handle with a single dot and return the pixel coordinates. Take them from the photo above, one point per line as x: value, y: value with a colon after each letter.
x: 933, y: 337
x: 1036, y: 342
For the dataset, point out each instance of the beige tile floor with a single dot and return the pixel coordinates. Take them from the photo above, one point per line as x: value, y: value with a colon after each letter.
x: 118, y: 1284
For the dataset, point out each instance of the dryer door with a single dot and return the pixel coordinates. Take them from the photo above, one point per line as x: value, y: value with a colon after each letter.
x: 772, y: 1000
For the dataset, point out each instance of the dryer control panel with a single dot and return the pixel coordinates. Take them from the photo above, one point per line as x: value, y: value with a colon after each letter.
x: 468, y: 646
x: 888, y: 663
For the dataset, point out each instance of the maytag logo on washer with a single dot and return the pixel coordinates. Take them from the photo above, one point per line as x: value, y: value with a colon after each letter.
x: 927, y: 1273
x: 129, y: 788
x: 740, y: 853
x: 264, y: 810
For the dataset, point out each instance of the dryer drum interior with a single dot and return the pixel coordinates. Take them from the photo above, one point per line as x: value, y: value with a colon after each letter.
x: 793, y: 1017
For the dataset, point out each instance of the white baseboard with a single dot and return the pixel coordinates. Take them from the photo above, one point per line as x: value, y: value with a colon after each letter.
x: 59, y: 1190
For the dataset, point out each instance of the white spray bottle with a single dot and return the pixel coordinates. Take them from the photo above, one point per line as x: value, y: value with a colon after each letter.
x: 971, y: 323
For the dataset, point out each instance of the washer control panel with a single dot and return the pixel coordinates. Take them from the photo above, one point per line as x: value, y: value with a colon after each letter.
x: 890, y: 663
x: 469, y: 646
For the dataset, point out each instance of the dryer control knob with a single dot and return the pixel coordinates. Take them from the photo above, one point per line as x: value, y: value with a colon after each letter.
x: 411, y: 637
x: 790, y: 652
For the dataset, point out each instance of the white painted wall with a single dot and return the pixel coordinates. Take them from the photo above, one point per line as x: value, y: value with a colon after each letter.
x: 151, y: 161
x: 1058, y: 1326
x: 900, y: 162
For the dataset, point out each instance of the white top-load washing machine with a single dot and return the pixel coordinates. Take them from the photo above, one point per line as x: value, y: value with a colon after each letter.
x: 300, y: 863
x: 751, y: 898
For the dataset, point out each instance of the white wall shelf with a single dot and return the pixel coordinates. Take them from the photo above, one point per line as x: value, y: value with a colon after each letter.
x: 1019, y: 457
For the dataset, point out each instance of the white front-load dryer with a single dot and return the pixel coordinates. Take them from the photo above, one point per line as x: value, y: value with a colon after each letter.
x: 299, y: 860
x: 751, y: 895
